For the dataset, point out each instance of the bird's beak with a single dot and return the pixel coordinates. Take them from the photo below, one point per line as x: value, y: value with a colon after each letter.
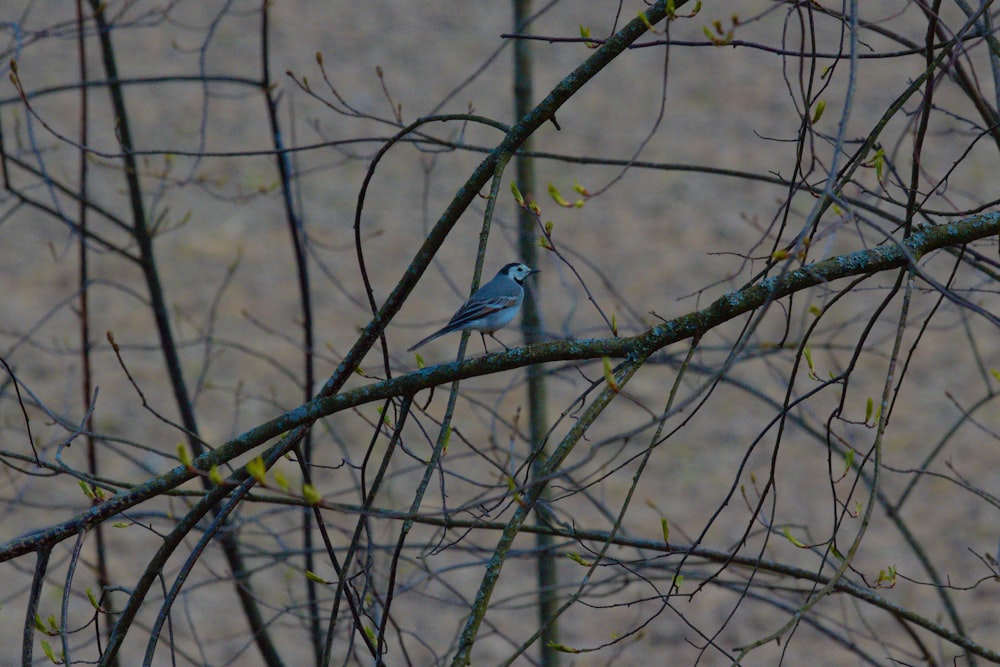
x: 534, y: 271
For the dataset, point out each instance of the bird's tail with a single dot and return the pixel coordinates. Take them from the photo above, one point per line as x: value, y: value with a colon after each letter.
x: 436, y: 334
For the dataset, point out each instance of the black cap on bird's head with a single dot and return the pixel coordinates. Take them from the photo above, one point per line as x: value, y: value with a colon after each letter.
x: 517, y: 272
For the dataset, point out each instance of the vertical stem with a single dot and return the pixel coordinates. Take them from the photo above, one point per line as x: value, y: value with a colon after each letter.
x: 531, y: 325
x: 297, y: 233
x: 622, y: 374
x: 86, y: 384
x: 168, y: 345
x: 141, y: 233
x: 31, y: 611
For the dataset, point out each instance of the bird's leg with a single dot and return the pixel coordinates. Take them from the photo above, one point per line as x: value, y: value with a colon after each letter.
x: 481, y: 335
x: 497, y: 340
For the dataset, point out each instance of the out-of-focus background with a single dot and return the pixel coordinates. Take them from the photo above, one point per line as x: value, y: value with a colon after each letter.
x: 654, y: 244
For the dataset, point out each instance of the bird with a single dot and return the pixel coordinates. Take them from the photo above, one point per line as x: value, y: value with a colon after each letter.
x: 491, y: 307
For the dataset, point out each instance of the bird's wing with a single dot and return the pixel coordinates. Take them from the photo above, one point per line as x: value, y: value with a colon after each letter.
x: 475, y: 309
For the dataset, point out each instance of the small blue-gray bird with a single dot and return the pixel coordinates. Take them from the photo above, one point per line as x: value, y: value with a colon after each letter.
x: 492, y: 307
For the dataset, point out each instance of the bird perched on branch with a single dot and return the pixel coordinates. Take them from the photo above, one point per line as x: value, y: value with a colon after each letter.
x: 492, y: 307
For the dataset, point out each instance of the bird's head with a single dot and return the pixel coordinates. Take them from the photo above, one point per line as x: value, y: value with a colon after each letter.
x: 517, y: 272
